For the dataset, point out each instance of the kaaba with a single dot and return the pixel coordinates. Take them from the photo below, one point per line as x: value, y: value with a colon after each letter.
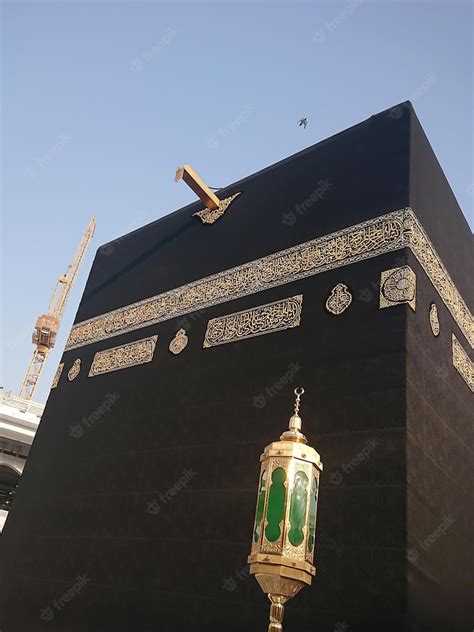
x: 342, y: 269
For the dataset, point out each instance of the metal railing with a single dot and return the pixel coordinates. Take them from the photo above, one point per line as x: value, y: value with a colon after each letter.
x: 23, y: 405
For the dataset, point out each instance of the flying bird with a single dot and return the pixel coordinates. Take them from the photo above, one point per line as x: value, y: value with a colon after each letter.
x: 303, y: 122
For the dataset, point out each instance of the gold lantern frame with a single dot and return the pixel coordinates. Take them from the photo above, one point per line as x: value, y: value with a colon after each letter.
x: 282, y: 561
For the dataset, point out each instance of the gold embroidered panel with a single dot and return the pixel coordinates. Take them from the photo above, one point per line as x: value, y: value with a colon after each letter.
x: 431, y: 263
x: 124, y: 356
x: 392, y: 231
x: 57, y: 375
x: 264, y: 319
x: 208, y: 216
x: 463, y: 363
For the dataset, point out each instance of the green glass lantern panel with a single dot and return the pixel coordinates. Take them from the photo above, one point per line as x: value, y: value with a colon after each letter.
x: 260, y: 505
x: 313, y: 501
x: 298, y: 503
x: 276, y: 505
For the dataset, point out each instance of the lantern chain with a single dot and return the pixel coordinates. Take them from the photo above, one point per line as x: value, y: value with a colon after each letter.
x: 298, y: 392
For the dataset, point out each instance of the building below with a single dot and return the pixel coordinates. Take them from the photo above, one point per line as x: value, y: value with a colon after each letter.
x: 19, y: 419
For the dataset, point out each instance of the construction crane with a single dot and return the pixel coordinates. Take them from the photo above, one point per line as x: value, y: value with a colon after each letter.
x: 47, y: 325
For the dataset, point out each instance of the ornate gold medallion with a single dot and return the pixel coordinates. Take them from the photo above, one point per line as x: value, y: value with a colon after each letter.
x: 179, y: 342
x: 57, y: 375
x: 339, y: 299
x: 74, y: 370
x: 208, y: 216
x: 434, y: 320
x: 397, y: 286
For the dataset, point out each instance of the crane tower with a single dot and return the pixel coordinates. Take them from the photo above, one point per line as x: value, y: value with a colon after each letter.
x: 47, y: 325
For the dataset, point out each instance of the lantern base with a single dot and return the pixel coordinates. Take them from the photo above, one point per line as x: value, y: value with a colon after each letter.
x: 279, y: 590
x: 280, y: 580
x: 277, y: 585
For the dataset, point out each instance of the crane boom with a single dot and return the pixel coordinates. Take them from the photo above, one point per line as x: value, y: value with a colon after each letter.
x: 47, y: 325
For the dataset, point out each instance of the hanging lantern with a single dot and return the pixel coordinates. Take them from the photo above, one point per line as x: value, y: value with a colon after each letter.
x: 283, y: 536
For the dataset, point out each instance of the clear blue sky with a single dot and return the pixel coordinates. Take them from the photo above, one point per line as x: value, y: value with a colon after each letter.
x: 103, y: 100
